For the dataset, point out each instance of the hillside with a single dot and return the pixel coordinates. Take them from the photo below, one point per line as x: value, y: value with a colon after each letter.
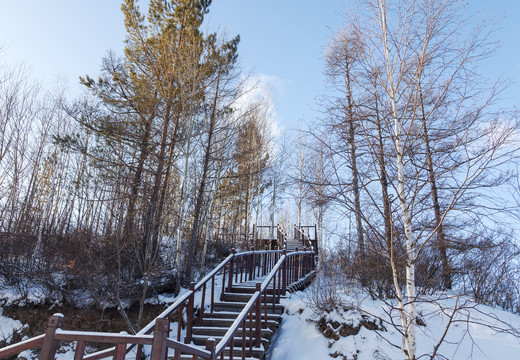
x: 475, y: 331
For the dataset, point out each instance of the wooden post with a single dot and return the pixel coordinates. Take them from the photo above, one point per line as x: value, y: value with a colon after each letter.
x: 80, y: 350
x: 265, y: 308
x: 266, y: 257
x: 284, y: 273
x: 244, y: 338
x: 230, y: 276
x: 251, y: 332
x: 160, y: 334
x: 212, y: 293
x: 279, y: 287
x: 241, y: 268
x: 275, y: 291
x: 189, y: 326
x: 252, y: 264
x: 202, y: 301
x: 139, y: 352
x: 49, y: 346
x: 254, y: 235
x: 297, y: 267
x: 231, y: 343
x: 258, y: 317
x: 223, y: 283
x: 211, y: 345
x: 120, y: 351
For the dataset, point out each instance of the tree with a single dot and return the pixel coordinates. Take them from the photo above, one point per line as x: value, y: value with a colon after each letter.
x: 423, y: 119
x: 224, y: 60
x: 149, y: 104
x: 341, y: 56
x: 245, y: 180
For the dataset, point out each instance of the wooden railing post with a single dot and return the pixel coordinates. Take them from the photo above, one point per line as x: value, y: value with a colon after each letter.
x: 211, y: 345
x: 275, y: 291
x: 296, y: 266
x: 202, y: 304
x: 284, y: 273
x: 266, y: 258
x: 49, y: 346
x: 80, y: 350
x: 258, y: 317
x: 120, y: 351
x: 160, y: 334
x: 252, y: 264
x: 212, y: 293
x: 191, y: 300
x: 230, y: 276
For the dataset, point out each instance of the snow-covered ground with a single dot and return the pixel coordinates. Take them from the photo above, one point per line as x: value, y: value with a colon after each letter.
x: 474, y: 332
x: 9, y: 327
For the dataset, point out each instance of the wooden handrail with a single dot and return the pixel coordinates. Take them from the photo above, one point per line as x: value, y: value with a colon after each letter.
x: 171, y: 343
x: 103, y: 337
x: 28, y: 344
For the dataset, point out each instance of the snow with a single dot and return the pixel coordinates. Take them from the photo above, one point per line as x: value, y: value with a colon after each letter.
x: 475, y: 332
x: 8, y: 327
x: 22, y: 294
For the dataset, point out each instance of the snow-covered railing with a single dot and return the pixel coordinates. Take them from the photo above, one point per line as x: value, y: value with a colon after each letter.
x: 237, y: 267
x: 17, y: 348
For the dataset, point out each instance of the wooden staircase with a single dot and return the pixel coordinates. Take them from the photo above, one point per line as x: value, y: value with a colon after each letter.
x: 232, y: 313
x: 215, y: 325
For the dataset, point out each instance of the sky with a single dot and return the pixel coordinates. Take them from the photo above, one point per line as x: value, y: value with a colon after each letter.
x: 282, y: 43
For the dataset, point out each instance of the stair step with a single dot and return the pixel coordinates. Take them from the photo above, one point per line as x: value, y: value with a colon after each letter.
x: 272, y: 324
x: 239, y: 297
x: 201, y: 340
x: 232, y: 315
x: 221, y: 331
x: 249, y: 289
x: 238, y: 306
x: 257, y: 353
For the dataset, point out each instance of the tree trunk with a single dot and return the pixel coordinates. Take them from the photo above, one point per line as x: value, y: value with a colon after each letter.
x: 410, y: 311
x: 355, y: 174
x: 441, y: 242
x: 192, y: 244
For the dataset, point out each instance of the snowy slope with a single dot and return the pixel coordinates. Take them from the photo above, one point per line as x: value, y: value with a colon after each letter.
x: 8, y: 327
x: 474, y: 332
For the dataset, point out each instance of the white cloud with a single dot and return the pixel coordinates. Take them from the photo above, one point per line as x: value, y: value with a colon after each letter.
x: 259, y: 89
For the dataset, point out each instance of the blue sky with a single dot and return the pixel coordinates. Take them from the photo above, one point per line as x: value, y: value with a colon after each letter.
x: 282, y: 41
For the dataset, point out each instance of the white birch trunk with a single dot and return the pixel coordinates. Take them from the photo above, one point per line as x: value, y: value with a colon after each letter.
x: 409, y: 313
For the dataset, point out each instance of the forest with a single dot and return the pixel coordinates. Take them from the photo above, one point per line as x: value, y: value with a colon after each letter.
x: 169, y: 158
